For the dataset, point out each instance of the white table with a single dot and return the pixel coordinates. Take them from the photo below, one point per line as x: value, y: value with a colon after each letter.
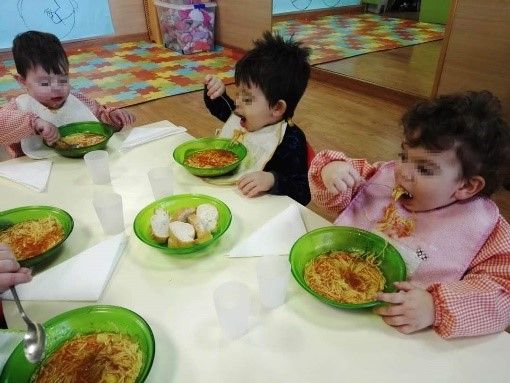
x: 301, y: 341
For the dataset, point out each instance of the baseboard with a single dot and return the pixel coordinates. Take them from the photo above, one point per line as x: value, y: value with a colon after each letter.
x: 238, y: 52
x: 79, y: 44
x: 368, y: 88
x: 317, y: 13
x: 71, y: 45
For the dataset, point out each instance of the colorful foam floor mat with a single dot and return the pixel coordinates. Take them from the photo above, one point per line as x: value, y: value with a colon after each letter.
x: 131, y: 73
x: 337, y: 37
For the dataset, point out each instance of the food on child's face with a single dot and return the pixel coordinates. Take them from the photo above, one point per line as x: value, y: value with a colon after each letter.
x: 210, y: 158
x: 184, y: 227
x: 33, y: 237
x: 345, y: 277
x: 79, y: 140
x: 399, y: 192
x: 101, y: 357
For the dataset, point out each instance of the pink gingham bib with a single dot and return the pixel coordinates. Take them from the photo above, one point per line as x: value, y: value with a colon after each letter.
x: 445, y: 240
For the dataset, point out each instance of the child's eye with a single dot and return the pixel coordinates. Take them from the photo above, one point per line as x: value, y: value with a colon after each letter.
x: 403, y: 156
x: 44, y: 84
x: 422, y: 169
x: 246, y: 100
x: 63, y: 81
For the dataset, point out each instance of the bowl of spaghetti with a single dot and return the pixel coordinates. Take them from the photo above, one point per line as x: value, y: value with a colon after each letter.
x: 210, y: 157
x: 345, y: 266
x: 93, y: 343
x: 35, y: 234
x: 182, y: 223
x: 79, y: 138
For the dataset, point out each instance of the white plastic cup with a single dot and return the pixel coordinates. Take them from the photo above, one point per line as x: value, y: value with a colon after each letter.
x: 109, y: 209
x: 161, y: 182
x: 233, y: 305
x: 97, y: 164
x: 273, y: 274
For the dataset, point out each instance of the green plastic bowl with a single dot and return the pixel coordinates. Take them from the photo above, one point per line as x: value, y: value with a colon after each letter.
x: 186, y: 149
x: 351, y: 239
x: 142, y: 226
x: 20, y: 214
x: 83, y: 321
x: 84, y: 127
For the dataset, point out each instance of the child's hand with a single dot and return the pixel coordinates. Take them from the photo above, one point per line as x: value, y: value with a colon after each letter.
x: 10, y: 272
x: 122, y: 118
x: 46, y: 130
x: 253, y: 184
x: 338, y: 176
x: 411, y: 309
x: 215, y: 87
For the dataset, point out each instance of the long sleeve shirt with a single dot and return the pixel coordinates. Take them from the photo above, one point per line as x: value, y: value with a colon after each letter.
x: 477, y: 304
x: 289, y: 162
x: 16, y: 124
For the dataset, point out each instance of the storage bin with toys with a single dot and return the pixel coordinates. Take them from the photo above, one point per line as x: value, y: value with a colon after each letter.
x: 187, y: 26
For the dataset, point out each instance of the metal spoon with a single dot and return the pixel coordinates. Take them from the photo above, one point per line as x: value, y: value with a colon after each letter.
x: 35, y: 338
x: 228, y: 104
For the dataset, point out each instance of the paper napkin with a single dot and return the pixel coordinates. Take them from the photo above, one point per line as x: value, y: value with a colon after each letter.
x: 275, y: 237
x: 34, y: 148
x: 80, y: 278
x: 150, y: 132
x: 33, y: 174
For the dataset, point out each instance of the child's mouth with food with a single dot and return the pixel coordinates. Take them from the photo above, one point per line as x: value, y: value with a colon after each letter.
x: 401, y: 193
x: 242, y: 120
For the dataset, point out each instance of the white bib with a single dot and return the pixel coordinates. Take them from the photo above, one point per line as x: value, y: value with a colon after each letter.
x: 73, y: 110
x: 261, y: 146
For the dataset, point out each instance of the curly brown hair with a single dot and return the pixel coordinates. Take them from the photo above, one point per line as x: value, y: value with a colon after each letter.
x: 472, y: 124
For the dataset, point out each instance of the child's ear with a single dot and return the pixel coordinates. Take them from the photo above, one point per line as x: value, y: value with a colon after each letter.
x: 470, y: 187
x: 20, y: 79
x: 279, y: 109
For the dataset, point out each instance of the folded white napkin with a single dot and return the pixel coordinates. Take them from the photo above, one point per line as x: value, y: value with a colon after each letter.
x: 34, y: 147
x: 80, y: 278
x: 150, y: 132
x: 33, y: 174
x: 8, y: 342
x: 275, y: 237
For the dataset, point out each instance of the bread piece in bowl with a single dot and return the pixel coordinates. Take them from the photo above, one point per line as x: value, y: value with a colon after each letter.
x: 160, y: 228
x: 182, y: 234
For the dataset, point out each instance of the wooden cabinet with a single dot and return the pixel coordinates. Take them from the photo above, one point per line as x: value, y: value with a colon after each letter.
x: 238, y: 23
x: 476, y: 52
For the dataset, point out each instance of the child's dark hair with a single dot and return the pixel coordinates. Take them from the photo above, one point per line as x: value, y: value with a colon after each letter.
x: 279, y: 68
x: 472, y: 124
x: 33, y: 48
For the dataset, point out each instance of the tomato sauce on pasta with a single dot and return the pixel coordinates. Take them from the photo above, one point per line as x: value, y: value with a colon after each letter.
x: 30, y: 238
x: 102, y: 358
x: 345, y: 277
x: 211, y: 158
